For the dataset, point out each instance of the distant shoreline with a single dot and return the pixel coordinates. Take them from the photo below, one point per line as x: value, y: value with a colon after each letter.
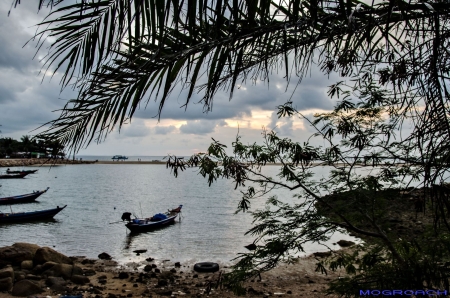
x: 35, y: 162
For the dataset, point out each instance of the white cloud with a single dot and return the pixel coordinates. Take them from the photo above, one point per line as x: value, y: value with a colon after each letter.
x: 163, y: 130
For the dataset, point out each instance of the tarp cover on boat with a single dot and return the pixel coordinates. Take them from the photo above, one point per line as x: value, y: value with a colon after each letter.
x: 159, y: 216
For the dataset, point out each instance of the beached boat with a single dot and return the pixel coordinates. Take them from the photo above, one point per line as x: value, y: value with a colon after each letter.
x: 156, y: 221
x: 30, y: 216
x: 8, y: 171
x: 27, y: 198
x: 119, y: 157
x: 12, y: 176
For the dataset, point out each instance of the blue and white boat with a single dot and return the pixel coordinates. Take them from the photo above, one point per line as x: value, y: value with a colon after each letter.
x: 156, y: 221
x: 119, y: 157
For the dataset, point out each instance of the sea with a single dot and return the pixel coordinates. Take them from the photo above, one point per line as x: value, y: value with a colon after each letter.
x: 97, y: 195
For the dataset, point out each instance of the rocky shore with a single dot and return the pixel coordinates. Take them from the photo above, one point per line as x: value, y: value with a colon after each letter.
x: 28, y: 270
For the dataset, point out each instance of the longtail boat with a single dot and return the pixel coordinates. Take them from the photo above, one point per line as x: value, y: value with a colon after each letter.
x: 12, y: 176
x: 8, y: 171
x: 29, y: 216
x: 27, y: 198
x: 147, y: 224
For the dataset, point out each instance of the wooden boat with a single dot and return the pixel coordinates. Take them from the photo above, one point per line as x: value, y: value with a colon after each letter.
x: 30, y: 216
x: 27, y: 198
x: 8, y: 171
x: 147, y: 224
x: 12, y: 176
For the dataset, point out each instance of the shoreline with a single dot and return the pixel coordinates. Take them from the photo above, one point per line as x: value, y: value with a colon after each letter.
x: 35, y: 162
x: 54, y: 274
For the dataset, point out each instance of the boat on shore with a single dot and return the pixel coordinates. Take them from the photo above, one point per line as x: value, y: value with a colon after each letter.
x: 8, y: 171
x: 30, y: 216
x: 147, y: 224
x: 13, y: 176
x: 27, y: 198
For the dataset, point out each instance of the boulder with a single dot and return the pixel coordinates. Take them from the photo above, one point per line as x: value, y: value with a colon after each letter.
x: 7, y: 272
x: 55, y: 280
x: 47, y: 254
x: 345, y: 243
x: 47, y: 265
x: 6, y: 284
x: 148, y: 268
x: 17, y: 253
x: 80, y: 279
x: 104, y: 256
x: 27, y: 264
x: 63, y: 270
x: 25, y: 288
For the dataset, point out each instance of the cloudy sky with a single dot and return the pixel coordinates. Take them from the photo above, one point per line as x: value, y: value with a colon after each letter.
x: 28, y: 100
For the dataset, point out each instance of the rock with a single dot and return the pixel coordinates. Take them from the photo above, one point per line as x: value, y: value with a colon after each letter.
x: 148, y: 268
x: 149, y: 259
x: 17, y: 253
x: 177, y: 264
x: 345, y: 243
x: 25, y: 288
x: 322, y: 254
x: 80, y: 279
x: 37, y: 269
x: 55, y: 280
x: 47, y: 254
x: 64, y: 270
x: 157, y: 270
x: 27, y: 264
x: 87, y: 261
x: 32, y: 277
x: 173, y: 270
x: 19, y: 277
x: 154, y: 266
x: 102, y: 281
x: 164, y: 293
x: 89, y: 272
x: 7, y: 272
x: 6, y: 284
x: 104, y: 256
x: 162, y: 282
x: 57, y: 284
x: 123, y: 275
x: 167, y: 275
x: 47, y: 266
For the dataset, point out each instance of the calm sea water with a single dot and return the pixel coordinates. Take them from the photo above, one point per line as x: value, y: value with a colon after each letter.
x: 96, y: 195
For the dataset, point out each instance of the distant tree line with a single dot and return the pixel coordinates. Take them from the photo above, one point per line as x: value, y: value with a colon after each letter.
x: 28, y: 147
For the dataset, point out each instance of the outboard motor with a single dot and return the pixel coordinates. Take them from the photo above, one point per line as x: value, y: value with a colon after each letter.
x: 126, y: 216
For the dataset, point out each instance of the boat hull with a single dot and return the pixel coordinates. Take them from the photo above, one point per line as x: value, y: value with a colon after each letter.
x: 12, y: 176
x: 27, y: 198
x: 19, y: 172
x: 30, y: 216
x: 150, y: 225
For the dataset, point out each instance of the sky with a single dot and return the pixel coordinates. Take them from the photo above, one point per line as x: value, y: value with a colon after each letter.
x: 28, y: 99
